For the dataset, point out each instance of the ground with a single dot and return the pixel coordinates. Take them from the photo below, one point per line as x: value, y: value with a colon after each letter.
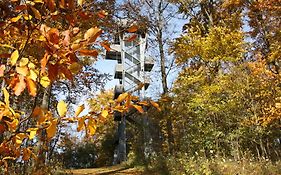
x: 118, y: 170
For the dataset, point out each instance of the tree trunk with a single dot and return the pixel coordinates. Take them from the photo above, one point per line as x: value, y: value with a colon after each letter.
x: 165, y: 88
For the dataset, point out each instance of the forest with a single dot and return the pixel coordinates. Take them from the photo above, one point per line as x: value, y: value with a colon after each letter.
x: 211, y: 105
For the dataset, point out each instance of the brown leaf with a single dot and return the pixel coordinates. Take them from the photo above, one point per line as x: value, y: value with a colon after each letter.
x: 26, y: 154
x: 53, y: 71
x: 66, y: 72
x: 36, y: 13
x: 86, y: 52
x: 53, y: 35
x: 133, y: 29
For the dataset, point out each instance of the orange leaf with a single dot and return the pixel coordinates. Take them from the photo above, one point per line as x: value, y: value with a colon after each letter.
x: 105, y: 45
x: 86, y: 52
x: 132, y: 38
x: 92, y: 34
x: 37, y: 112
x: 80, y: 123
x: 139, y: 108
x: 53, y: 35
x: 155, y: 105
x: 44, y: 62
x: 26, y: 154
x: 31, y: 86
x: 52, y: 128
x: 20, y: 86
x: 133, y: 29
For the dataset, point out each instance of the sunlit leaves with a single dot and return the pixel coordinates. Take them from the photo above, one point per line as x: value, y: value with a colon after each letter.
x: 45, y: 81
x: 52, y: 128
x: 156, y: 105
x: 80, y: 123
x: 15, y: 19
x: 31, y: 86
x: 20, y: 85
x: 139, y: 108
x: 80, y: 2
x: 104, y: 113
x: 6, y: 97
x: 14, y: 57
x: 92, y: 34
x: 62, y: 108
x: 32, y: 132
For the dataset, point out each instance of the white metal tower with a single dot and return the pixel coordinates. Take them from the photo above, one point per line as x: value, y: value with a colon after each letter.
x: 132, y: 69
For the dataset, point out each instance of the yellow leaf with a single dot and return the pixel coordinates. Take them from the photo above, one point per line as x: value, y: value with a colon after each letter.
x: 92, y: 126
x: 31, y: 66
x: 104, y: 113
x: 92, y: 34
x: 139, y: 108
x: 79, y: 110
x: 38, y: 1
x: 32, y: 132
x: 121, y: 97
x: 19, y: 138
x: 80, y: 2
x: 45, y: 81
x: 6, y: 96
x: 14, y: 57
x: 32, y: 75
x: 27, y: 17
x: 22, y: 70
x: 52, y: 128
x: 62, y: 108
x: 15, y: 19
x: 80, y: 123
x: 24, y: 62
x: 26, y: 154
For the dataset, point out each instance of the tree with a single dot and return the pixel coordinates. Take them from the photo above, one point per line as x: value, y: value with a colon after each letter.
x: 40, y: 42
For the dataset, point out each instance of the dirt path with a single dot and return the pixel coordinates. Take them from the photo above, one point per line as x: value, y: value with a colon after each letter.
x: 118, y: 170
